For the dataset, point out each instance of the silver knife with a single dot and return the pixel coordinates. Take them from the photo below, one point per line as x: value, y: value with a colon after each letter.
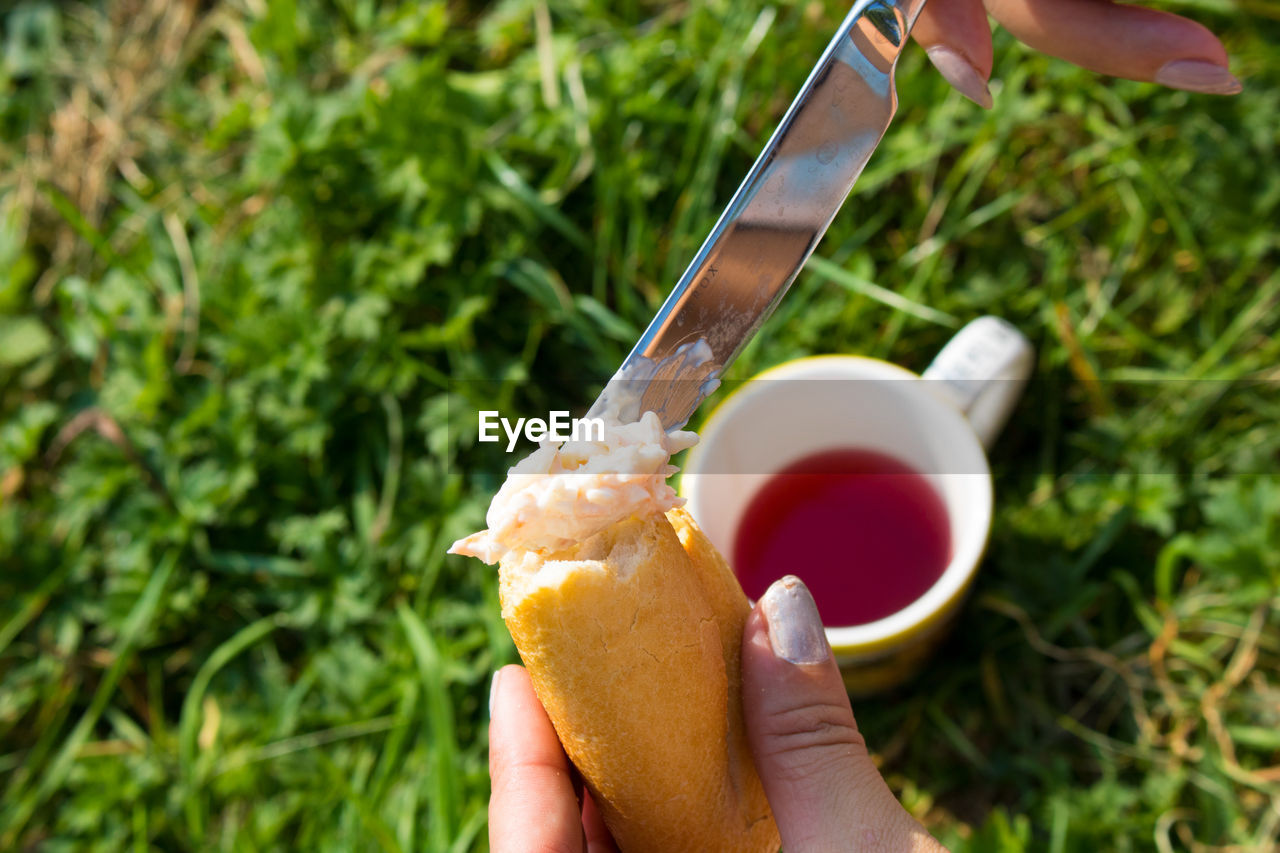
x: 773, y: 222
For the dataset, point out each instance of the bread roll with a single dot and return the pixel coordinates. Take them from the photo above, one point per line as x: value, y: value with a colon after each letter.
x: 632, y: 638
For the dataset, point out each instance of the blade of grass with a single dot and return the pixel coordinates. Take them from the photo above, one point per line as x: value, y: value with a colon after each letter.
x: 957, y: 738
x: 522, y: 192
x: 831, y: 272
x: 190, y: 717
x: 407, y: 826
x: 698, y: 198
x: 60, y: 697
x: 391, y: 470
x: 31, y: 607
x: 310, y: 740
x: 440, y: 727
x: 379, y: 830
x: 139, y: 619
x: 393, y: 749
x: 476, y: 821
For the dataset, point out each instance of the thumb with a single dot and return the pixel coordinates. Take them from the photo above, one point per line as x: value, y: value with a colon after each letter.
x: 826, y: 793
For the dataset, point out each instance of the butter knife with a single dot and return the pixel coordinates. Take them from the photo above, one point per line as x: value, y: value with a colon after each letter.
x: 773, y: 222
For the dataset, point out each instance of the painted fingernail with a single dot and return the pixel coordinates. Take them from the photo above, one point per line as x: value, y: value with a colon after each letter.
x: 1196, y: 75
x: 493, y: 690
x: 795, y: 629
x: 961, y: 74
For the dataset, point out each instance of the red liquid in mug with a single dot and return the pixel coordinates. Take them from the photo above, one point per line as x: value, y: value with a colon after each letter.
x: 866, y: 533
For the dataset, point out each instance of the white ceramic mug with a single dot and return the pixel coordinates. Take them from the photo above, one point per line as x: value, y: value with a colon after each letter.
x: 938, y: 424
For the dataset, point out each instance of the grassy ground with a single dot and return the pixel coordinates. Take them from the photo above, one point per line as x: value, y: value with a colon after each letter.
x: 254, y: 252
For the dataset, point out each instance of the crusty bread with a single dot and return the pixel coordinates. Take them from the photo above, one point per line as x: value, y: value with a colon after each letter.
x: 632, y: 639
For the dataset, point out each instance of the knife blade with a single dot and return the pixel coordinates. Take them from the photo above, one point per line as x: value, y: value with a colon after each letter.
x: 773, y: 222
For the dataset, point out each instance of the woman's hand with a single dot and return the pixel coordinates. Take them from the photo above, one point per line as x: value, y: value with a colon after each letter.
x: 1110, y: 38
x: 824, y: 789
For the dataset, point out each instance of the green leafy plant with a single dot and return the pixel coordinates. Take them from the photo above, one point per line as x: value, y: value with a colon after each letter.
x: 257, y: 257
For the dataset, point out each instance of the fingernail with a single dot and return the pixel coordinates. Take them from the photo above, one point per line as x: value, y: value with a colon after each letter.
x: 795, y: 629
x: 961, y: 74
x: 493, y: 690
x: 1196, y: 75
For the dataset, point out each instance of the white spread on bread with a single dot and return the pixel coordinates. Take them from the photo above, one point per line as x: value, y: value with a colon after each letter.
x: 562, y: 494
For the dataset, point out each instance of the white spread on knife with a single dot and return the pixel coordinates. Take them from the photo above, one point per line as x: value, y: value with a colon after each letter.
x: 560, y: 495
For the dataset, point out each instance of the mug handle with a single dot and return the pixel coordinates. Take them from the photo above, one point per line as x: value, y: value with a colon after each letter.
x: 982, y: 371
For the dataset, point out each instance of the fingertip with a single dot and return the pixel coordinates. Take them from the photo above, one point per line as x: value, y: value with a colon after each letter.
x: 532, y: 799
x: 957, y: 39
x: 509, y: 682
x: 759, y: 657
x: 1196, y: 75
x: 493, y: 689
x: 961, y: 74
x: 1118, y: 39
x: 513, y: 668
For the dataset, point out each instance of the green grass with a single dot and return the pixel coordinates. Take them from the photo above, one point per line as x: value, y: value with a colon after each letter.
x: 256, y: 256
